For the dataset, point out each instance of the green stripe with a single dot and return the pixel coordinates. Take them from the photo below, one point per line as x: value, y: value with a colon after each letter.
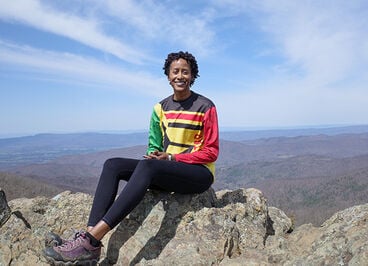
x: 155, y: 135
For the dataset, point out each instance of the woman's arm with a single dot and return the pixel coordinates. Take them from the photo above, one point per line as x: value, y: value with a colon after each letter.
x: 155, y: 134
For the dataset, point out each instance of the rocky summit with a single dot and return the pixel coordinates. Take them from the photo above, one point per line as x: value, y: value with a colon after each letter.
x: 214, y: 228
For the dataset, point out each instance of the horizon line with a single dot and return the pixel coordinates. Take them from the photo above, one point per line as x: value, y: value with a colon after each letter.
x: 227, y: 129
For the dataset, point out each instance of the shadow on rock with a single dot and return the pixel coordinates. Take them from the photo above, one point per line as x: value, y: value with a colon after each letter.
x: 163, y: 211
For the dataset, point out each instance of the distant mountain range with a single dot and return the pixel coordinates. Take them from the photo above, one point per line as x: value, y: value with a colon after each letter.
x: 240, y: 135
x: 309, y: 173
x: 45, y: 147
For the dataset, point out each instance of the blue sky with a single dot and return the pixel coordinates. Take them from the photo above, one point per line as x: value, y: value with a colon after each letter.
x: 76, y: 66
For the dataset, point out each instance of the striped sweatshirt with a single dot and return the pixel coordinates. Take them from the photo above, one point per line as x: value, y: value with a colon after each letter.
x: 188, y: 129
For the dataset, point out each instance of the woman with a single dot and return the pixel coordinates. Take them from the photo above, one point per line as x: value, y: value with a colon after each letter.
x: 183, y: 146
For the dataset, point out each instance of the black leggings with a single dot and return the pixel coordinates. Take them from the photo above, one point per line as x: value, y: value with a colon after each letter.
x: 140, y: 175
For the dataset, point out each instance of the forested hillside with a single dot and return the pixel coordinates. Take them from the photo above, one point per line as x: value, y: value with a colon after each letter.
x: 309, y: 177
x: 26, y: 187
x: 310, y: 188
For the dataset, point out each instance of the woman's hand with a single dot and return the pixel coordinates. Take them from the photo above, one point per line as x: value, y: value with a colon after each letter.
x: 159, y: 155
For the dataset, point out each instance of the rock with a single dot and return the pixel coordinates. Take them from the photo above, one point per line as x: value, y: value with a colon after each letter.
x: 5, y: 211
x: 23, y: 233
x: 342, y: 239
x: 281, y: 223
x: 5, y: 255
x: 204, y: 235
x: 223, y: 228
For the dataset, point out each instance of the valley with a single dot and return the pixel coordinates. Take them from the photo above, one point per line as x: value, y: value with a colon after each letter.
x: 308, y: 176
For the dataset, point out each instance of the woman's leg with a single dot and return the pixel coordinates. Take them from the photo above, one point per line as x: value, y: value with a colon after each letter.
x: 114, y: 170
x: 182, y: 178
x: 167, y: 175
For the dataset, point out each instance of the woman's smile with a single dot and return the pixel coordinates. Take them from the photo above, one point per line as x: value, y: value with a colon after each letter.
x: 180, y: 77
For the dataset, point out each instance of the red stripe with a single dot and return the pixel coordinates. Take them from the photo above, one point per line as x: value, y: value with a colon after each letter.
x: 192, y: 117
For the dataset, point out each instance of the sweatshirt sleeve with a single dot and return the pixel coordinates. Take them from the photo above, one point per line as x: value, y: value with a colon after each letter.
x: 210, y: 149
x: 155, y: 134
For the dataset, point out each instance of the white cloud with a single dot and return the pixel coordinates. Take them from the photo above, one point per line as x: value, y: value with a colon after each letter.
x: 323, y: 39
x: 166, y: 23
x: 83, y: 30
x: 308, y: 63
x: 322, y: 73
x: 154, y: 22
x: 75, y: 68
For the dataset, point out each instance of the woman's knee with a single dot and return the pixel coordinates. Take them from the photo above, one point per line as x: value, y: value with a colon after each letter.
x: 119, y: 168
x: 109, y: 170
x: 110, y: 163
x: 119, y: 163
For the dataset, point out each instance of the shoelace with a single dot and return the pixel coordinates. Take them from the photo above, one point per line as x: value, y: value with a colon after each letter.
x: 78, y: 233
x: 79, y: 238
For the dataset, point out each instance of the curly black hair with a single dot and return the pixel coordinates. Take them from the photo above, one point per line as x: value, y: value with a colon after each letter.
x: 186, y: 56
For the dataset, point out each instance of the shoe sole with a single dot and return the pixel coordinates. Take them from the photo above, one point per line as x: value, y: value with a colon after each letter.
x: 72, y: 263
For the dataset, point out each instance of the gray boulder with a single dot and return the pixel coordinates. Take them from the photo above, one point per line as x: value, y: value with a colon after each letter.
x: 223, y: 228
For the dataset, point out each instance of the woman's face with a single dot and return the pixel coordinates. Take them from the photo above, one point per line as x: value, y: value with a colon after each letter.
x: 180, y: 76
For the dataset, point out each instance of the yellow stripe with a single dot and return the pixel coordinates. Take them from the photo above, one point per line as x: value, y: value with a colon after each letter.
x: 177, y: 135
x: 184, y: 112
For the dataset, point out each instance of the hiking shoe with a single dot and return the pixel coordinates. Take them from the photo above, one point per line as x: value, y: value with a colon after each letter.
x: 74, y: 252
x: 54, y: 240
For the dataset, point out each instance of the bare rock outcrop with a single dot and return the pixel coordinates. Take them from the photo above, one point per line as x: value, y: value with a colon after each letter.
x: 222, y: 228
